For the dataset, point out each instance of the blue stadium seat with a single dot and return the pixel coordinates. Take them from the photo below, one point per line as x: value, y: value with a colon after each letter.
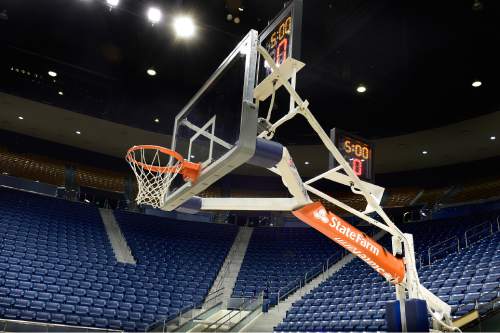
x: 358, y: 304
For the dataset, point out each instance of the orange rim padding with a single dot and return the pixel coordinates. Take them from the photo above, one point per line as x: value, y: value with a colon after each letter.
x: 189, y: 170
x: 353, y: 240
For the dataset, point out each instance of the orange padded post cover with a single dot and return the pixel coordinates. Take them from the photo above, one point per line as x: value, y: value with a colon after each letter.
x: 353, y: 240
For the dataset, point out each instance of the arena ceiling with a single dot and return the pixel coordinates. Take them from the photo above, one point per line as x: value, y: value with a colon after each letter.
x: 417, y: 59
x: 451, y: 144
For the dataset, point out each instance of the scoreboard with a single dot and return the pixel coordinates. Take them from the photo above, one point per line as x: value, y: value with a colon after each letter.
x: 281, y: 38
x: 358, y: 152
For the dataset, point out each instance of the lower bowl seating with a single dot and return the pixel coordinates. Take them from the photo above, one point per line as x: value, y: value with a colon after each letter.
x: 57, y: 265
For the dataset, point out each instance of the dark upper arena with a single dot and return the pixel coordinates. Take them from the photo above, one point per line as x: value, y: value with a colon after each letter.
x: 82, y: 81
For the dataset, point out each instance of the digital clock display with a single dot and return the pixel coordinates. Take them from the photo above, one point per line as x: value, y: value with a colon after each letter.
x: 278, y: 43
x: 356, y: 151
x: 281, y: 38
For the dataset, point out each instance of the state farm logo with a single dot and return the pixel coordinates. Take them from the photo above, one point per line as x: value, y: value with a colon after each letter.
x: 322, y: 214
x: 355, y: 236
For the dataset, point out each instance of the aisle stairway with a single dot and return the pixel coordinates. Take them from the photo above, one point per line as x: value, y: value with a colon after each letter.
x: 267, y: 321
x: 229, y: 271
x: 122, y: 251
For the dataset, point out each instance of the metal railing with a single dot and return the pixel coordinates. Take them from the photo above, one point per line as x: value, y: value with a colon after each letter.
x: 30, y: 326
x: 182, y: 316
x: 443, y: 248
x: 311, y: 274
x: 480, y: 231
x: 249, y: 304
x: 471, y: 236
x: 226, y: 270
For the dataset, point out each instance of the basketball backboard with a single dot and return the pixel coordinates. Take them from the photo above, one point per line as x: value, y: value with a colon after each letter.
x: 218, y: 126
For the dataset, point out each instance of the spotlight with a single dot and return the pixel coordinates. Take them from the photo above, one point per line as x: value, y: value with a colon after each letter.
x: 20, y: 117
x: 477, y: 5
x: 60, y: 93
x: 113, y: 3
x: 492, y: 138
x: 3, y: 15
x: 236, y: 20
x: 361, y: 89
x: 241, y: 9
x: 184, y: 27
x: 52, y: 73
x: 151, y: 72
x: 306, y: 162
x: 157, y: 120
x: 78, y: 132
x: 229, y: 17
x: 425, y: 152
x: 154, y: 15
x: 477, y: 84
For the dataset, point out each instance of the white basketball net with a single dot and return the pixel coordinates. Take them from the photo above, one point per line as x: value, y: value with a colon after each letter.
x: 154, y: 175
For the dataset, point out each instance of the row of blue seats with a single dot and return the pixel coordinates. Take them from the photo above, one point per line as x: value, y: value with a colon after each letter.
x: 86, y: 321
x: 295, y: 251
x: 376, y: 325
x: 456, y: 290
x: 71, y: 276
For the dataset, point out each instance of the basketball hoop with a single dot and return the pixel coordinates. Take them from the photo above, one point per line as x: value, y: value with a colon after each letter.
x: 155, y: 168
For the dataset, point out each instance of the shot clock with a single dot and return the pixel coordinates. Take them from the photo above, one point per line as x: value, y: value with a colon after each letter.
x: 281, y: 38
x: 357, y: 151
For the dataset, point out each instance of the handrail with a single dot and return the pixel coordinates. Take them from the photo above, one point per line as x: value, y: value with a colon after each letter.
x: 217, y: 292
x: 476, y: 227
x: 180, y: 312
x: 229, y: 256
x: 37, y: 323
x: 228, y: 314
x: 312, y: 273
x: 440, y: 244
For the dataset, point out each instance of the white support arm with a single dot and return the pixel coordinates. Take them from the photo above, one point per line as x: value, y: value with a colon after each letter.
x: 411, y: 283
x: 263, y: 204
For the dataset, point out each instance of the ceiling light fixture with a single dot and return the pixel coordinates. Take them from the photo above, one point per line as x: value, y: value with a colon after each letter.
x: 78, y: 132
x: 306, y: 162
x: 184, y: 27
x: 52, y: 73
x: 425, y: 152
x: 154, y: 15
x: 492, y: 138
x: 236, y: 20
x: 20, y: 117
x: 477, y: 84
x: 241, y: 9
x: 361, y: 89
x: 157, y: 120
x: 113, y: 3
x: 60, y: 93
x: 151, y: 72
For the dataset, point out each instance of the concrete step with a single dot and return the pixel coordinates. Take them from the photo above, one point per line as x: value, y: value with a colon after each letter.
x: 230, y: 269
x: 122, y: 251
